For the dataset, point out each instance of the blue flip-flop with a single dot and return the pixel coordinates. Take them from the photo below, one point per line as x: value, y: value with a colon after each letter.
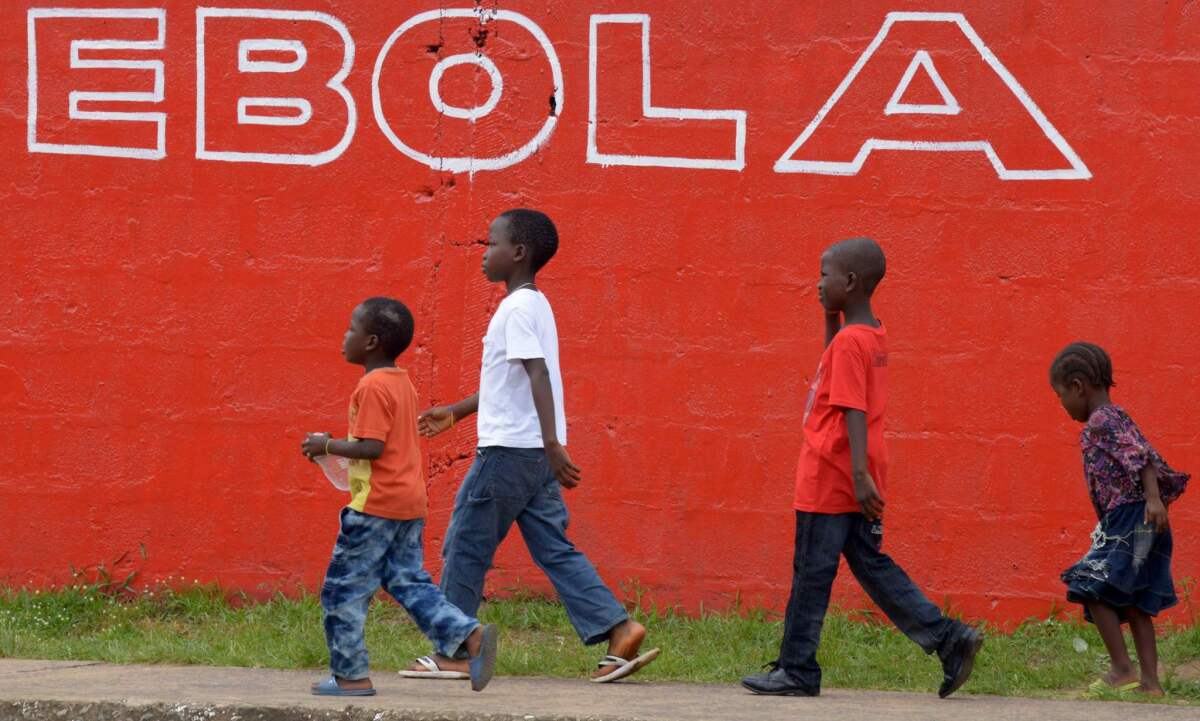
x: 329, y: 687
x: 483, y: 665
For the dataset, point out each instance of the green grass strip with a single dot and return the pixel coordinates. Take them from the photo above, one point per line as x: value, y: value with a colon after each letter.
x: 202, y: 625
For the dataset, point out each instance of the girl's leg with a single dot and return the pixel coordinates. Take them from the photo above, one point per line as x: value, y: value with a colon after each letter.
x: 1142, y: 627
x: 1108, y: 623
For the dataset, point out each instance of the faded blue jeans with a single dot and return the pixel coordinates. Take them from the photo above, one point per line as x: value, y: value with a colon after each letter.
x: 373, y: 551
x: 821, y: 540
x: 507, y: 485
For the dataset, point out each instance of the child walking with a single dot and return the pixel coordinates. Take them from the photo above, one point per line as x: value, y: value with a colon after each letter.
x: 840, y: 485
x: 380, y: 537
x: 1126, y: 576
x: 522, y: 459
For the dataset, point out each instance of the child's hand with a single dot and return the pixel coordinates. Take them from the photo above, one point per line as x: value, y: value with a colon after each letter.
x: 1156, y: 514
x: 435, y: 420
x: 565, y: 471
x: 314, y: 444
x: 867, y: 495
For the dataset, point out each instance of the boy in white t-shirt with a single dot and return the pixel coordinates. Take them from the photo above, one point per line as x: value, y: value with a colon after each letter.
x: 522, y: 459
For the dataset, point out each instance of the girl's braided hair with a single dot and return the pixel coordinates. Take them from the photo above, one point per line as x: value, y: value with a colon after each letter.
x: 1086, y: 361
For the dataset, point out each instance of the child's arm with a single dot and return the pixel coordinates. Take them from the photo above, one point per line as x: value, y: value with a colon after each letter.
x: 320, y: 444
x: 565, y: 471
x: 865, y: 491
x: 371, y: 419
x: 1156, y: 510
x: 440, y: 418
x: 1120, y: 439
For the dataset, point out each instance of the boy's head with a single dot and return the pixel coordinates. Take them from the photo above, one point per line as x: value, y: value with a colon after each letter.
x: 519, y: 239
x: 1077, y: 372
x: 380, y: 328
x: 850, y: 269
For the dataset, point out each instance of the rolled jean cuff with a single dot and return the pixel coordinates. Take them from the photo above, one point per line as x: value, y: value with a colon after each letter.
x: 456, y: 646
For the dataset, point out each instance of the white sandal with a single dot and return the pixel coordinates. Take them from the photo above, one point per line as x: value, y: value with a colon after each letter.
x: 625, y: 667
x: 433, y: 671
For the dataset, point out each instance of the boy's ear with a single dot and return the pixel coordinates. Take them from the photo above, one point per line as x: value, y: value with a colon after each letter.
x: 520, y: 251
x: 851, y: 281
x: 1076, y: 385
x: 372, y: 343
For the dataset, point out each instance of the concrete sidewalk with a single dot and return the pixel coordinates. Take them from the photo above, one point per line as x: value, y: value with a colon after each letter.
x: 70, y: 691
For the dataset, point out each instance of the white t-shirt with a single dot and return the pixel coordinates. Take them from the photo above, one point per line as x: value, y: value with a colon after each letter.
x: 522, y: 328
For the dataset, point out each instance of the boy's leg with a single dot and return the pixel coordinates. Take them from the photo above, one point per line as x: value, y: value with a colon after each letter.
x: 478, y: 524
x: 405, y: 578
x: 913, y: 613
x: 350, y: 583
x: 892, y: 590
x: 592, y: 608
x: 818, y: 549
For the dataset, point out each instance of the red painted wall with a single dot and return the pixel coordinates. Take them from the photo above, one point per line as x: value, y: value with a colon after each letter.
x: 170, y: 326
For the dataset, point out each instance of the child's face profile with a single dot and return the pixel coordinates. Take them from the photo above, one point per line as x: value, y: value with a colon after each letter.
x: 1073, y: 397
x: 357, y: 342
x: 502, y: 255
x: 831, y: 289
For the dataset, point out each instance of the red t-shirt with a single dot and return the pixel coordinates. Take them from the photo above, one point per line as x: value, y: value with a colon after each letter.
x: 384, y: 408
x: 852, y: 374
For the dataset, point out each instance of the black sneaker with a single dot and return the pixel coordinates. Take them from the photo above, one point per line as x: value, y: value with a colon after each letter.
x: 776, y: 682
x: 960, y: 661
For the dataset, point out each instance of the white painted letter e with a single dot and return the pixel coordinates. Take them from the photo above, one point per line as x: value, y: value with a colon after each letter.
x: 78, y: 62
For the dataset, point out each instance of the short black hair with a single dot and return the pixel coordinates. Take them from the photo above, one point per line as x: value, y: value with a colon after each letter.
x: 534, y: 230
x: 863, y: 257
x: 1086, y: 361
x: 389, y: 320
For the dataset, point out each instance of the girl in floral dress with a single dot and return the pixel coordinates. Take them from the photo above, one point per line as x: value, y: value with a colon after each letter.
x: 1126, y: 576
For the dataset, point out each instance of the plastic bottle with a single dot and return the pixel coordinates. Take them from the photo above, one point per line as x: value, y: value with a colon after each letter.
x: 337, y: 470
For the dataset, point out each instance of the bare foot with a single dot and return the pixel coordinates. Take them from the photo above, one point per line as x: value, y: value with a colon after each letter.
x: 624, y: 641
x: 445, y: 663
x: 1117, y: 678
x: 474, y: 642
x: 361, y: 684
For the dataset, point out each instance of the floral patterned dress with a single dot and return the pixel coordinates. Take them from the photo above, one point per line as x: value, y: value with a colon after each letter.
x: 1128, y: 564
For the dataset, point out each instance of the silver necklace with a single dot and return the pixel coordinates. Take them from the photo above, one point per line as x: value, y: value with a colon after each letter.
x: 523, y: 285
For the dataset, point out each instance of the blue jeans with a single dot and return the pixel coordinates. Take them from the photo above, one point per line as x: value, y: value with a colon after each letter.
x: 371, y: 551
x: 507, y: 485
x: 821, y: 539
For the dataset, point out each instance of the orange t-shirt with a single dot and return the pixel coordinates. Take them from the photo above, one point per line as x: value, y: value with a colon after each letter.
x: 852, y: 374
x: 384, y: 408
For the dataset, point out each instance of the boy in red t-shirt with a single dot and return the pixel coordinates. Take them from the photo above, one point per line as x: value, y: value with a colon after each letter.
x: 379, y: 541
x: 839, y: 490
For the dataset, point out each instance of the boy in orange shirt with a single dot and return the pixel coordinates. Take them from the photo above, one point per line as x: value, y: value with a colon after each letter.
x: 839, y: 490
x: 380, y: 537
